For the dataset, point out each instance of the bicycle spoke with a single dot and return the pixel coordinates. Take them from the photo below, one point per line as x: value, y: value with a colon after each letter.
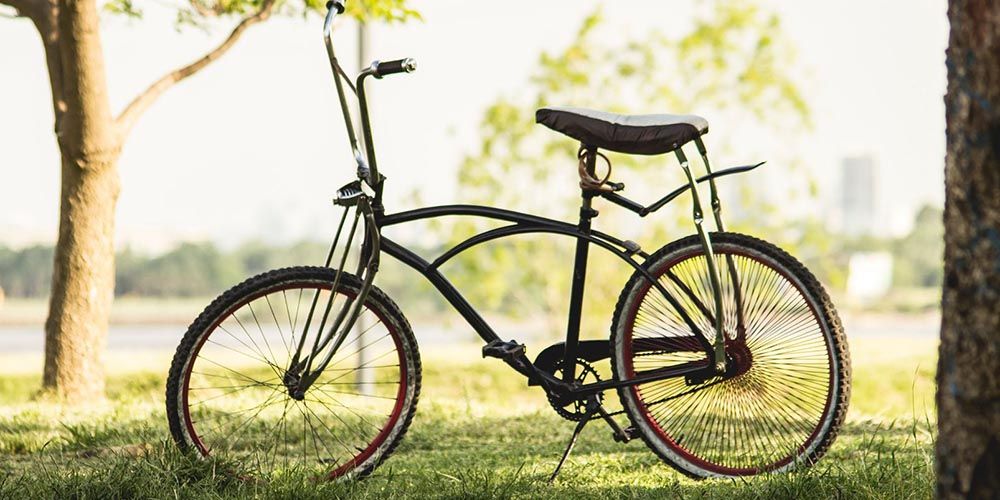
x: 241, y: 410
x: 762, y: 413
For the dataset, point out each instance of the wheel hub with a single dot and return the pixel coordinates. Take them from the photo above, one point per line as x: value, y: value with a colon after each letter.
x: 739, y: 359
x: 291, y: 382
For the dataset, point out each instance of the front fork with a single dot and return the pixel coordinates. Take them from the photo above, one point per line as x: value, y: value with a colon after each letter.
x: 719, y: 344
x: 308, y: 363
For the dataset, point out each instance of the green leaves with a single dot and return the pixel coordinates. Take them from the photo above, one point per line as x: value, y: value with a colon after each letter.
x: 198, y: 13
x: 123, y: 8
x: 734, y: 59
x: 389, y: 11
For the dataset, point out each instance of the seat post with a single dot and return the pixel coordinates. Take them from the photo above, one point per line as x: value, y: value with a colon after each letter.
x: 713, y: 271
x: 587, y: 213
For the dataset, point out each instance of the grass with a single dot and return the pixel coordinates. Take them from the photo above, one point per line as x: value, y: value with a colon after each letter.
x: 479, y: 432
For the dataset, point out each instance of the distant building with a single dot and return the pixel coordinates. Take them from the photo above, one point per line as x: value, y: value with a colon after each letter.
x: 857, y: 196
x: 869, y: 275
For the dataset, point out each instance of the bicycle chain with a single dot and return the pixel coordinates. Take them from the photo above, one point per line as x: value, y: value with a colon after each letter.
x: 579, y: 406
x: 575, y: 411
x: 692, y: 390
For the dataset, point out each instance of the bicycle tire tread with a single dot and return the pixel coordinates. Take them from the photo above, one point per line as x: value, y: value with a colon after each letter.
x: 812, y: 286
x: 219, y: 305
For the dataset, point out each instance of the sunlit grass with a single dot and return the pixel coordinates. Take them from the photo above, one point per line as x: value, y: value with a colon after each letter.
x: 479, y: 432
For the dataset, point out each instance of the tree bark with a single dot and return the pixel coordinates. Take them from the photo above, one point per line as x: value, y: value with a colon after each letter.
x: 83, y: 273
x: 968, y: 397
x: 90, y: 141
x: 82, y: 282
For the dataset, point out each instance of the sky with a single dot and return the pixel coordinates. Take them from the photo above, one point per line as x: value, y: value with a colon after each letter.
x: 253, y: 147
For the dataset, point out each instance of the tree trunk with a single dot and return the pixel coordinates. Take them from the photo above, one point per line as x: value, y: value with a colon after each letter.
x: 83, y: 275
x: 90, y: 141
x: 82, y: 283
x: 968, y: 398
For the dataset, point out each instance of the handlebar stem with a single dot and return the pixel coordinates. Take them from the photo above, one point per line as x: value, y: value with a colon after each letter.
x: 375, y: 181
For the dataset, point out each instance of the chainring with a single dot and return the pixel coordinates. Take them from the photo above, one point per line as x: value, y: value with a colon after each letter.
x: 575, y: 410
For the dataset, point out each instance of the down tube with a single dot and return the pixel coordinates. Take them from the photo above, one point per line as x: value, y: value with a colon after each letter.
x: 443, y: 285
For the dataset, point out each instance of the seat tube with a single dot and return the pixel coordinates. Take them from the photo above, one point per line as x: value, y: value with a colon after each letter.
x: 587, y: 213
x: 713, y: 271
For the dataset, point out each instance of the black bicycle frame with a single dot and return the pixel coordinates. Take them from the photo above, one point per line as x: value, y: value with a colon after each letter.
x: 523, y: 224
x: 526, y: 224
x: 375, y: 219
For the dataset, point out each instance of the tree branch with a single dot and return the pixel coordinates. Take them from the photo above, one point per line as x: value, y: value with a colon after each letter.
x: 44, y: 15
x: 205, y: 11
x: 126, y: 120
x: 25, y: 8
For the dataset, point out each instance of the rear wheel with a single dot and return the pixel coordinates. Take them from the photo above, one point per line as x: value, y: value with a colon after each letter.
x: 787, y: 384
x: 226, y: 393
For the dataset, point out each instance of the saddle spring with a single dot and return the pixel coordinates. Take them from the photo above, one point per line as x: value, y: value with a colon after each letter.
x: 587, y: 180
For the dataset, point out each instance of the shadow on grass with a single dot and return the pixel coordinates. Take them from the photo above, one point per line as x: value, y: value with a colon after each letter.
x: 450, y: 455
x: 478, y: 433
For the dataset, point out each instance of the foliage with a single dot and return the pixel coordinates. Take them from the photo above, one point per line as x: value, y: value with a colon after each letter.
x: 27, y: 272
x: 123, y: 8
x: 479, y: 433
x: 374, y: 10
x: 919, y: 255
x: 734, y: 60
x: 199, y: 13
x: 190, y: 269
x: 200, y: 270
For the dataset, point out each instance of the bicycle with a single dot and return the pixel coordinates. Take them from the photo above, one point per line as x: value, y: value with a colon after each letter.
x: 727, y: 355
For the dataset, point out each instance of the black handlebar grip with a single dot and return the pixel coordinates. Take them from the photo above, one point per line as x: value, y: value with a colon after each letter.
x: 338, y: 4
x: 407, y: 65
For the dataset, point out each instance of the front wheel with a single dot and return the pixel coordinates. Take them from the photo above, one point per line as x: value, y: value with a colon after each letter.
x: 785, y: 391
x: 227, y: 395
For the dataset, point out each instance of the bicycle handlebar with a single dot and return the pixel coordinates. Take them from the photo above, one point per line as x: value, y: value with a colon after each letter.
x: 333, y: 8
x: 338, y: 4
x: 367, y: 170
x: 380, y: 69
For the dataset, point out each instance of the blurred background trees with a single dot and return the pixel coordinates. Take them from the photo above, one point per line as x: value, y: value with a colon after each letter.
x: 728, y: 62
x: 734, y: 61
x: 91, y: 137
x: 733, y: 64
x: 202, y: 269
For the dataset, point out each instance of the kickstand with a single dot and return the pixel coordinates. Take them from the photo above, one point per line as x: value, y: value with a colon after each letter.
x: 592, y: 407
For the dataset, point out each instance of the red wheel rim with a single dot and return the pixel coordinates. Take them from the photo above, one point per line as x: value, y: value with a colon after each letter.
x: 400, y: 396
x: 651, y: 420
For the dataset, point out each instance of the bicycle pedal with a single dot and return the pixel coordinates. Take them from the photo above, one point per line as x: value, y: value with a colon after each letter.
x: 502, y: 350
x: 349, y: 194
x: 627, y: 434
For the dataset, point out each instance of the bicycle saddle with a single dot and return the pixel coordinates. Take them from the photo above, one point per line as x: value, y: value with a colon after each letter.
x: 631, y: 134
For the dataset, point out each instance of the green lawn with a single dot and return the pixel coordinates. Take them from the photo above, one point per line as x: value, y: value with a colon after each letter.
x: 479, y: 432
